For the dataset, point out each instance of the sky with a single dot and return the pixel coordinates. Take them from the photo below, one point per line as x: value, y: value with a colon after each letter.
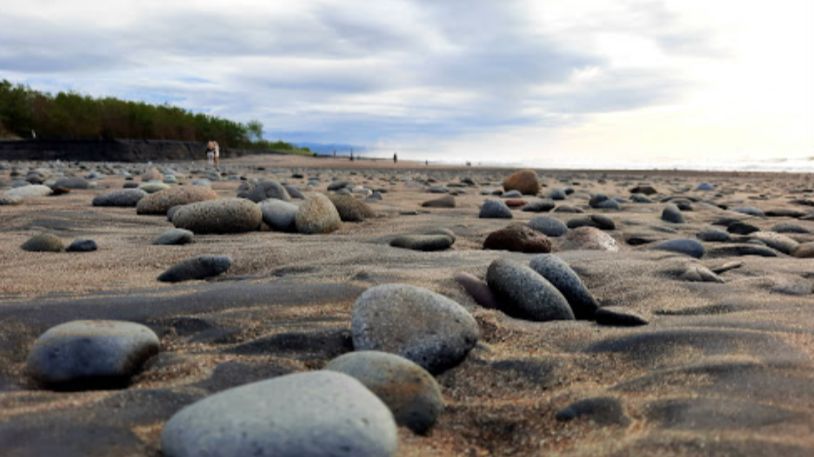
x: 582, y: 83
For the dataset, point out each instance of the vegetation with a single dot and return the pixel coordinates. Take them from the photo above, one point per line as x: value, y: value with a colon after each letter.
x: 72, y: 116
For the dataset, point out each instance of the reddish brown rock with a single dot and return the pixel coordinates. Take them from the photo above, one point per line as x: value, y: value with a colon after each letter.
x: 524, y: 181
x: 518, y: 238
x: 515, y: 202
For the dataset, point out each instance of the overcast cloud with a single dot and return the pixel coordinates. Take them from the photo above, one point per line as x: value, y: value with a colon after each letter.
x: 430, y: 78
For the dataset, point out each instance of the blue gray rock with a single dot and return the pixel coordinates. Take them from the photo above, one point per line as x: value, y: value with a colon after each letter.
x: 749, y: 210
x: 121, y: 198
x: 87, y: 353
x: 684, y: 246
x: 279, y: 215
x: 495, y: 209
x: 312, y: 414
x: 541, y: 205
x: 672, y: 214
x: 568, y: 282
x: 411, y: 393
x: 713, y: 235
x: 82, y: 246
x: 174, y: 236
x: 72, y: 183
x: 525, y: 294
x: 201, y: 267
x: 420, y: 325
x: 548, y: 225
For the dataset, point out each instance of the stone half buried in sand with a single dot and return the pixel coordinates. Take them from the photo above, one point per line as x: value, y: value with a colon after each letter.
x: 447, y: 201
x: 317, y: 215
x: 90, y: 353
x: 411, y: 393
x: 43, y: 242
x: 477, y: 289
x: 524, y: 181
x: 420, y: 325
x: 279, y: 215
x: 686, y: 246
x: 519, y: 238
x: 589, y: 238
x: 122, y: 198
x: 495, y: 209
x: 201, y: 267
x: 160, y: 202
x: 318, y: 413
x: 227, y: 215
x: 525, y: 294
x: 568, y: 282
x: 423, y: 242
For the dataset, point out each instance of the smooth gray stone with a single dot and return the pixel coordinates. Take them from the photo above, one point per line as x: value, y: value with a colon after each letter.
x: 742, y: 250
x: 87, y: 353
x: 82, y: 246
x: 684, y: 246
x: 639, y: 198
x: 294, y: 192
x: 477, y: 289
x: 424, y: 242
x: 600, y: 410
x: 279, y: 215
x: 121, y: 198
x: 557, y: 194
x: 420, y: 325
x: 263, y: 190
x: 741, y: 228
x: 786, y: 227
x: 336, y: 185
x: 776, y: 241
x: 539, y: 206
x: 312, y: 414
x: 201, y: 267
x: 705, y: 186
x: 608, y: 204
x: 411, y: 393
x: 548, y: 225
x: 512, y: 194
x: 713, y: 235
x: 526, y: 294
x: 495, y: 209
x: 31, y: 190
x: 568, y: 282
x: 672, y: 214
x: 72, y: 183
x: 174, y: 236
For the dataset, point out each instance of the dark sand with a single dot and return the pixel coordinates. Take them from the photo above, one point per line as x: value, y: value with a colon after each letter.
x: 722, y: 369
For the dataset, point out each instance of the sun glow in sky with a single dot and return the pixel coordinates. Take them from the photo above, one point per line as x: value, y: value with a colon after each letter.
x: 589, y: 83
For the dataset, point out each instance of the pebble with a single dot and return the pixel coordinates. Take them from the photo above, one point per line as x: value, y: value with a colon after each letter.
x: 86, y: 353
x: 477, y: 289
x: 411, y: 393
x: 317, y: 215
x: 557, y: 194
x: 525, y: 294
x: 279, y: 215
x: 82, y: 246
x: 684, y: 246
x: 524, y: 181
x: 786, y: 227
x: 512, y: 194
x: 495, y: 209
x: 423, y: 242
x: 539, y: 206
x: 518, y: 238
x: 699, y: 273
x: 160, y: 202
x: 72, y: 183
x: 121, y: 198
x: 201, y: 267
x: 804, y: 250
x: 257, y: 192
x: 294, y: 192
x: 447, y: 201
x: 568, y: 282
x: 10, y: 200
x: 589, y: 238
x: 152, y: 187
x: 174, y: 236
x: 749, y: 210
x: 599, y: 410
x: 741, y: 228
x: 420, y: 325
x: 672, y: 214
x: 618, y: 317
x: 351, y: 209
x: 645, y: 189
x: 227, y: 215
x: 548, y: 225
x: 776, y: 241
x: 43, y: 242
x: 29, y: 191
x: 713, y: 235
x: 317, y: 413
x: 705, y: 186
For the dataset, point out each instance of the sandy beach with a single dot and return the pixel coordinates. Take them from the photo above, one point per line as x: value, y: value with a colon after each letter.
x: 722, y: 367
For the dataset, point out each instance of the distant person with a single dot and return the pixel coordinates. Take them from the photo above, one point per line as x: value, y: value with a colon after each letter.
x: 427, y: 163
x: 217, y: 154
x: 210, y: 152
x: 395, y: 158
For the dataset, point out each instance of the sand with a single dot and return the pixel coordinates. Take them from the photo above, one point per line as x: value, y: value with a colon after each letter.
x: 721, y: 369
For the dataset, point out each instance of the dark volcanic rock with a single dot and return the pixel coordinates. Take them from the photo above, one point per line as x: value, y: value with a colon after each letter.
x: 82, y: 246
x: 495, y: 209
x: 201, y: 267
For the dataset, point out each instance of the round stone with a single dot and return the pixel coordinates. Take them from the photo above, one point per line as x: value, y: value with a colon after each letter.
x: 160, y: 202
x: 548, y: 225
x: 83, y: 354
x: 228, y: 215
x: 524, y: 181
x: 152, y: 187
x: 82, y: 246
x: 279, y: 215
x: 804, y: 251
x: 312, y: 414
x: 495, y: 209
x: 590, y: 238
x: 201, y: 267
x: 477, y: 289
x: 122, y: 198
x: 29, y: 191
x: 519, y: 238
x: 317, y: 215
x: 423, y: 326
x: 43, y: 242
x: 174, y: 236
x: 568, y: 282
x: 672, y: 214
x: 525, y: 294
x: 350, y: 209
x: 411, y: 393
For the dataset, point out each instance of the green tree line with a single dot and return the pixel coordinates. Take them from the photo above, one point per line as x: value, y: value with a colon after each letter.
x: 72, y: 116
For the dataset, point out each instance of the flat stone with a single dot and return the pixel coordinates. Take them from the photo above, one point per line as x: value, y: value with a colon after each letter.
x: 152, y: 187
x: 699, y: 273
x: 713, y: 235
x: 82, y: 246
x: 776, y: 241
x: 411, y: 393
x: 423, y: 326
x: 568, y: 282
x: 126, y: 198
x: 318, y: 413
x: 174, y: 236
x: 684, y: 246
x: 201, y: 267
x: 477, y: 289
x: 88, y: 353
x: 548, y: 225
x: 29, y: 191
x: 741, y: 228
x: 525, y: 294
x: 423, y: 242
x: 539, y: 206
x: 447, y: 201
x: 589, y: 238
x: 599, y: 410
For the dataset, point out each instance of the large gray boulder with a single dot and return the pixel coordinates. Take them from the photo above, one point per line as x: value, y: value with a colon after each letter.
x: 201, y: 267
x: 86, y: 353
x: 525, y: 294
x: 313, y: 414
x: 228, y: 215
x: 420, y: 325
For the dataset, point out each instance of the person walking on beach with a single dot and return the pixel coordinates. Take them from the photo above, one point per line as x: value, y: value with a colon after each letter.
x: 217, y: 154
x: 395, y: 158
x: 210, y: 153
